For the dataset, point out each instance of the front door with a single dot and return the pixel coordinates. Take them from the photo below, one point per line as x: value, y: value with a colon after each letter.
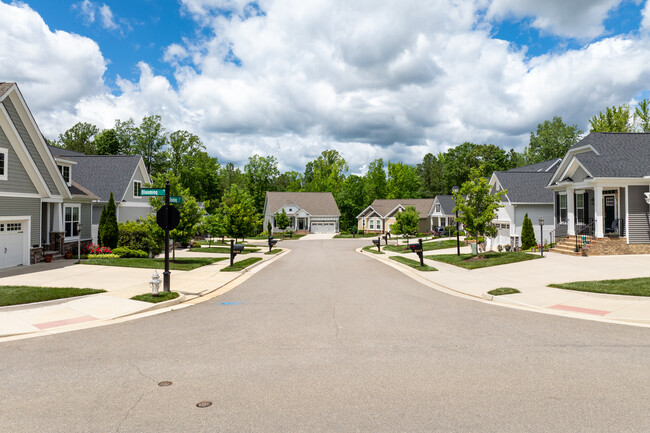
x: 301, y: 224
x: 610, y: 212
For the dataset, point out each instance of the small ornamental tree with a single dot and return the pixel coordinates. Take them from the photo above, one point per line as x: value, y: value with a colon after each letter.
x: 406, y: 222
x: 240, y: 218
x: 527, y: 234
x: 282, y: 220
x: 269, y: 227
x: 477, y: 206
x: 108, y: 233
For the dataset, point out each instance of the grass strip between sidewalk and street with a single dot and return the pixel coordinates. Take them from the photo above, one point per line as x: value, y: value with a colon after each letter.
x: 469, y: 261
x: 415, y: 264
x: 222, y: 250
x: 372, y: 249
x: 628, y: 287
x: 426, y: 246
x: 503, y: 291
x: 161, y: 297
x: 17, y: 295
x: 243, y: 264
x: 180, y: 264
x: 273, y: 251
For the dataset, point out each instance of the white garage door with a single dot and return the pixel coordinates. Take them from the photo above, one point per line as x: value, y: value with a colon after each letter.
x: 12, y: 244
x: 323, y: 227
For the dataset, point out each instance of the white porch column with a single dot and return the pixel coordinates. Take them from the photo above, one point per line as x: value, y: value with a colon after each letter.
x: 57, y: 223
x: 598, y: 211
x: 570, y: 212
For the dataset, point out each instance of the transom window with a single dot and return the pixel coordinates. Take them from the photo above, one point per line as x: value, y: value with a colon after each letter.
x: 14, y: 227
x: 65, y: 172
x: 137, y: 186
x: 4, y: 157
x: 72, y: 221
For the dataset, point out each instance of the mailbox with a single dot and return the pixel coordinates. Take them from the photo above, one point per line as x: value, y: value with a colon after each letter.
x: 237, y: 248
x: 415, y: 248
x: 273, y: 242
x: 375, y: 241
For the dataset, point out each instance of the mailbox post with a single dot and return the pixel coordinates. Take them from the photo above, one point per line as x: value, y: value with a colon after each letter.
x: 386, y: 238
x: 377, y: 242
x: 272, y: 243
x: 234, y: 250
x: 417, y: 248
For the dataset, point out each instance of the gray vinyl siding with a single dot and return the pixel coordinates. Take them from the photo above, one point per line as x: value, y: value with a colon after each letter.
x: 132, y: 213
x: 97, y: 212
x: 639, y: 221
x: 31, y: 147
x: 535, y: 211
x: 19, y: 206
x: 17, y: 180
x: 85, y: 221
x: 579, y: 175
x: 129, y: 192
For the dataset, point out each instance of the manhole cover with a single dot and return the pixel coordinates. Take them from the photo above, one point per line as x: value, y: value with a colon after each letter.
x: 204, y: 404
x: 164, y: 383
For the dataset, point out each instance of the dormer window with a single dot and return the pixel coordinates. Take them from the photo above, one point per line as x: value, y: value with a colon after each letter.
x: 137, y: 186
x: 4, y: 160
x: 437, y: 208
x: 65, y: 172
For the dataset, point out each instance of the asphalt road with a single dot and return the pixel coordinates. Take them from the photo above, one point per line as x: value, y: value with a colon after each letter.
x: 327, y: 340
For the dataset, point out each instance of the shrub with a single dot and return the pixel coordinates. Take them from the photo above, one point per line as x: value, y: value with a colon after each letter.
x: 95, y: 249
x: 499, y: 248
x: 124, y: 252
x: 108, y: 229
x: 195, y: 244
x: 137, y: 236
x: 527, y: 234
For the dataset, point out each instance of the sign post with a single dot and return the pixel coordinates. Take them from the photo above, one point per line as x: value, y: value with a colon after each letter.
x: 166, y: 274
x: 168, y: 219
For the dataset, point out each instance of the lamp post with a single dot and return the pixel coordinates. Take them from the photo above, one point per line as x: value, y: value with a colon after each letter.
x: 541, y: 235
x: 363, y: 233
x: 455, y: 190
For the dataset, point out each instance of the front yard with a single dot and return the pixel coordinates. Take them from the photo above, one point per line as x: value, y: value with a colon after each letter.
x: 629, y: 287
x: 180, y: 264
x: 469, y: 261
x: 222, y: 250
x: 16, y: 295
x: 426, y: 246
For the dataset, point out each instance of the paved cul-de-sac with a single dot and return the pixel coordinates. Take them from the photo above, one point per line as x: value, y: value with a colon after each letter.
x: 329, y: 340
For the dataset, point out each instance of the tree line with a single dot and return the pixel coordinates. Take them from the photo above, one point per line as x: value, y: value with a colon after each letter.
x: 182, y: 157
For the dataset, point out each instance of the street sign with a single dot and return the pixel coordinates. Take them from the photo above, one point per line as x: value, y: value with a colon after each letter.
x: 175, y: 199
x: 172, y: 221
x: 152, y: 191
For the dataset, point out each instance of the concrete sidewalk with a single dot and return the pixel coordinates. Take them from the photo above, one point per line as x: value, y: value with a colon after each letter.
x: 532, y: 277
x: 120, y: 284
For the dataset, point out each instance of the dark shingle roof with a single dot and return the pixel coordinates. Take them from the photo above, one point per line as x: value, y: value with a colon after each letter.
x: 544, y: 166
x: 526, y: 187
x: 101, y: 174
x: 447, y: 204
x: 619, y: 154
x: 384, y: 206
x: 316, y: 203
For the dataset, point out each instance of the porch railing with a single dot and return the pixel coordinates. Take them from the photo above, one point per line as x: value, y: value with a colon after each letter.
x: 584, y: 234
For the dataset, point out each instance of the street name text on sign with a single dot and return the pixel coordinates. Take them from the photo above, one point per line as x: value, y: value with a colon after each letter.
x: 152, y: 191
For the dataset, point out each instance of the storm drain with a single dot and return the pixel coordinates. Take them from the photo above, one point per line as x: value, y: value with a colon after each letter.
x: 204, y: 404
x: 164, y: 383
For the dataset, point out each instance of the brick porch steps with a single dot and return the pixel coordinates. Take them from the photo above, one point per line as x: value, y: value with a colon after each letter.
x: 600, y: 247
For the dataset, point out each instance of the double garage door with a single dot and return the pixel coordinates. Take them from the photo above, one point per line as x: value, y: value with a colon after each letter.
x: 12, y: 244
x: 323, y: 227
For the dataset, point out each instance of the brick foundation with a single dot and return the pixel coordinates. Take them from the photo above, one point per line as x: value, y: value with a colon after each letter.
x: 615, y: 246
x: 36, y: 255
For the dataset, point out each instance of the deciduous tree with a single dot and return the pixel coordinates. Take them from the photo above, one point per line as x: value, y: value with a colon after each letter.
x: 403, y: 181
x: 261, y: 173
x: 79, y: 138
x: 406, y: 222
x: 552, y: 140
x: 614, y: 119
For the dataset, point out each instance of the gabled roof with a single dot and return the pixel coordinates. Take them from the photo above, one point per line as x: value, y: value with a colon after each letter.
x: 101, y: 174
x: 611, y: 154
x: 526, y: 187
x: 316, y: 203
x: 4, y: 88
x: 384, y: 206
x: 447, y: 204
x: 539, y: 167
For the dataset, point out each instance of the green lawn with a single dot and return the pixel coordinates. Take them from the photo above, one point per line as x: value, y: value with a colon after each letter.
x: 181, y: 264
x: 503, y: 291
x: 426, y: 246
x: 16, y: 295
x: 372, y: 249
x: 629, y: 287
x: 273, y: 251
x: 415, y: 264
x: 468, y: 261
x: 242, y: 264
x: 358, y: 235
x: 222, y: 250
x: 277, y: 236
x: 162, y: 296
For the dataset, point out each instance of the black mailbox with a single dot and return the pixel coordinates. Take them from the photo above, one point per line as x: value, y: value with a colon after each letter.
x: 237, y: 248
x: 273, y: 242
x: 375, y: 241
x: 415, y: 248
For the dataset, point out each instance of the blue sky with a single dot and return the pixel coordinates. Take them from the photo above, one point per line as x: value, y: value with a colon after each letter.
x: 292, y: 78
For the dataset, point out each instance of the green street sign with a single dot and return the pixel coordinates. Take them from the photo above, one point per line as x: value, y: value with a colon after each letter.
x: 175, y: 199
x: 152, y: 191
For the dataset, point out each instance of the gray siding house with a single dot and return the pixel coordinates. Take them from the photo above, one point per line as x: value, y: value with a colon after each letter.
x: 123, y: 175
x: 442, y: 211
x: 309, y: 212
x: 602, y: 188
x: 39, y: 210
x: 526, y: 194
x: 381, y: 214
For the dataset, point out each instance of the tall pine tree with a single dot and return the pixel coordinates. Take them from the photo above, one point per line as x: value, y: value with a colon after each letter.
x: 527, y: 234
x: 108, y: 233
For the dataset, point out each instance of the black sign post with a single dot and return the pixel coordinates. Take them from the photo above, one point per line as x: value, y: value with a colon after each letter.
x: 168, y: 218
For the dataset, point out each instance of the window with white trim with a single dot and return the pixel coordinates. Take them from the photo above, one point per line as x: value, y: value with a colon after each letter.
x: 71, y: 213
x: 137, y: 186
x: 437, y: 208
x: 4, y: 161
x: 378, y: 224
x: 14, y: 227
x: 580, y: 207
x: 65, y: 172
x: 372, y: 222
x: 563, y: 208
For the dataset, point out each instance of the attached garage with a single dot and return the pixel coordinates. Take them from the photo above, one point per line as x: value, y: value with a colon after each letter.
x: 14, y: 246
x: 323, y: 227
